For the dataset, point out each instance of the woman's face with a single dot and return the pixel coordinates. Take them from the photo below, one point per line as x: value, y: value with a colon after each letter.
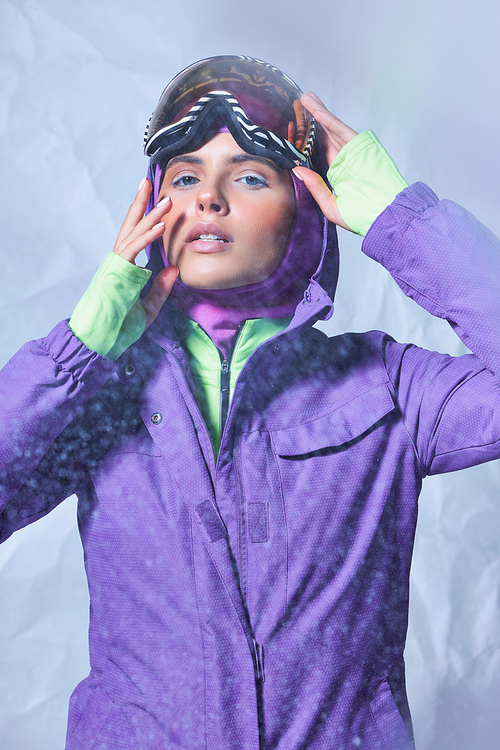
x: 231, y: 215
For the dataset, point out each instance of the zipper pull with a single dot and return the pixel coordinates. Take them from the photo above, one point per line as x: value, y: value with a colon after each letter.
x: 224, y: 380
x: 258, y: 654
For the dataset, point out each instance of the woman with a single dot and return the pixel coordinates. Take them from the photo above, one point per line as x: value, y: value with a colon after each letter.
x: 247, y: 487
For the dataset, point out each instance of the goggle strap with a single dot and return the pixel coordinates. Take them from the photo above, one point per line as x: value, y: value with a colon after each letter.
x: 223, y: 103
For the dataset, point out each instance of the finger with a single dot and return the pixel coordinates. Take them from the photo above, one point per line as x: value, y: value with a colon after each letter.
x: 313, y: 95
x: 314, y: 104
x: 135, y: 212
x: 161, y: 288
x: 335, y: 128
x: 136, y: 223
x: 150, y: 228
x: 338, y: 132
x: 152, y: 222
x: 321, y: 194
x: 133, y: 246
x: 331, y: 146
x: 321, y: 107
x: 331, y: 126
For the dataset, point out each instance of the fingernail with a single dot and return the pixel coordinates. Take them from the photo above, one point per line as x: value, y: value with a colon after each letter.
x: 143, y: 181
x: 297, y: 175
x: 157, y: 226
x: 163, y: 201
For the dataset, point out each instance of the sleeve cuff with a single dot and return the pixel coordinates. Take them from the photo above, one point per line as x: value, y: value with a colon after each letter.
x: 365, y: 180
x: 108, y: 313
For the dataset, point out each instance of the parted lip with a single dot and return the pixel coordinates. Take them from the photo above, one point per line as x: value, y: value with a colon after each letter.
x: 207, y: 228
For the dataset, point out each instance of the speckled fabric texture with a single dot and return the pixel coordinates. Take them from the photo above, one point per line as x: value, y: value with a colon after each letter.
x: 261, y: 602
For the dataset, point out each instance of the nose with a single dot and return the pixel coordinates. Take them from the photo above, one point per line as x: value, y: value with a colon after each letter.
x: 211, y: 200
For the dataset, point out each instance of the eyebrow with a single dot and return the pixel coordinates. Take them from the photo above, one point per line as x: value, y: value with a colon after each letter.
x: 236, y: 159
x: 183, y: 159
x: 242, y: 158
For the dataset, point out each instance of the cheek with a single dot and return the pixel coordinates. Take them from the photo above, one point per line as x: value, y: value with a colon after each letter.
x: 274, y: 225
x: 271, y: 230
x: 174, y: 222
x: 164, y: 251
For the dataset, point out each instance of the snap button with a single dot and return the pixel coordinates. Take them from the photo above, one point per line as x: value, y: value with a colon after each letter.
x: 129, y: 369
x: 156, y: 417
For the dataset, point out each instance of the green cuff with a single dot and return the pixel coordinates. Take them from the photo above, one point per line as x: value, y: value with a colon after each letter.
x: 365, y: 181
x: 109, y: 317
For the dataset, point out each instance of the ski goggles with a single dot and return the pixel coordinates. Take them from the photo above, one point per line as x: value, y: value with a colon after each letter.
x: 258, y: 103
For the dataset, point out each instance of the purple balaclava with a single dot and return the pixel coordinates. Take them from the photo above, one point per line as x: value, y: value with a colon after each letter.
x: 220, y: 311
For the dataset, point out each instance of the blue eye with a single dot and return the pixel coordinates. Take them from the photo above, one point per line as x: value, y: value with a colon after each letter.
x: 253, y: 180
x: 185, y: 180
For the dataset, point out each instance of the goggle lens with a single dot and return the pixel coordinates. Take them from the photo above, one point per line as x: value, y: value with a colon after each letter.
x: 269, y: 98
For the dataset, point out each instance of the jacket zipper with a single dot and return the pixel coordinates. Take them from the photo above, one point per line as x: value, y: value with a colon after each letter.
x: 225, y: 381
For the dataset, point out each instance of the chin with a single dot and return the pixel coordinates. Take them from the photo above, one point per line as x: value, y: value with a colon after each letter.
x: 207, y: 284
x: 221, y: 283
x: 212, y: 280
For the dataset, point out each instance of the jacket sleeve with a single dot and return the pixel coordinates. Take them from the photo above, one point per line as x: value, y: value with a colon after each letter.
x: 449, y: 263
x: 43, y: 388
x: 109, y: 317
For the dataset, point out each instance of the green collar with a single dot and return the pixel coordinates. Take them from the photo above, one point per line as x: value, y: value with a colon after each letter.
x: 205, y: 362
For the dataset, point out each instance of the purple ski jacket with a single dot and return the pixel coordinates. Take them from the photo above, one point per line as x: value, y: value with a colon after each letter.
x: 260, y: 601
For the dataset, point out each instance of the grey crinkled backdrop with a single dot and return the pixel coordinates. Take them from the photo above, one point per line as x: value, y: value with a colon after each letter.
x: 78, y: 82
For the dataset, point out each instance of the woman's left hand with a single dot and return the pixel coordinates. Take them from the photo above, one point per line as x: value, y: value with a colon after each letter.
x: 335, y: 136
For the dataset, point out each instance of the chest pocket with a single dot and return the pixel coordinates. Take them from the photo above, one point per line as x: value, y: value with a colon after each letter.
x: 307, y: 501
x: 338, y: 429
x: 139, y: 442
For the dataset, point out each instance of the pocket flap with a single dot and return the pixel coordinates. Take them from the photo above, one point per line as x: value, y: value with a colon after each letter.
x: 344, y: 424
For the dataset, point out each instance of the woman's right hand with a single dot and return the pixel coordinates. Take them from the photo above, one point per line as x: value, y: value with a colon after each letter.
x: 136, y: 233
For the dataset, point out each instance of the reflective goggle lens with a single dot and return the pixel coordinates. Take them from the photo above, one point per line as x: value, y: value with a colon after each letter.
x: 269, y: 98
